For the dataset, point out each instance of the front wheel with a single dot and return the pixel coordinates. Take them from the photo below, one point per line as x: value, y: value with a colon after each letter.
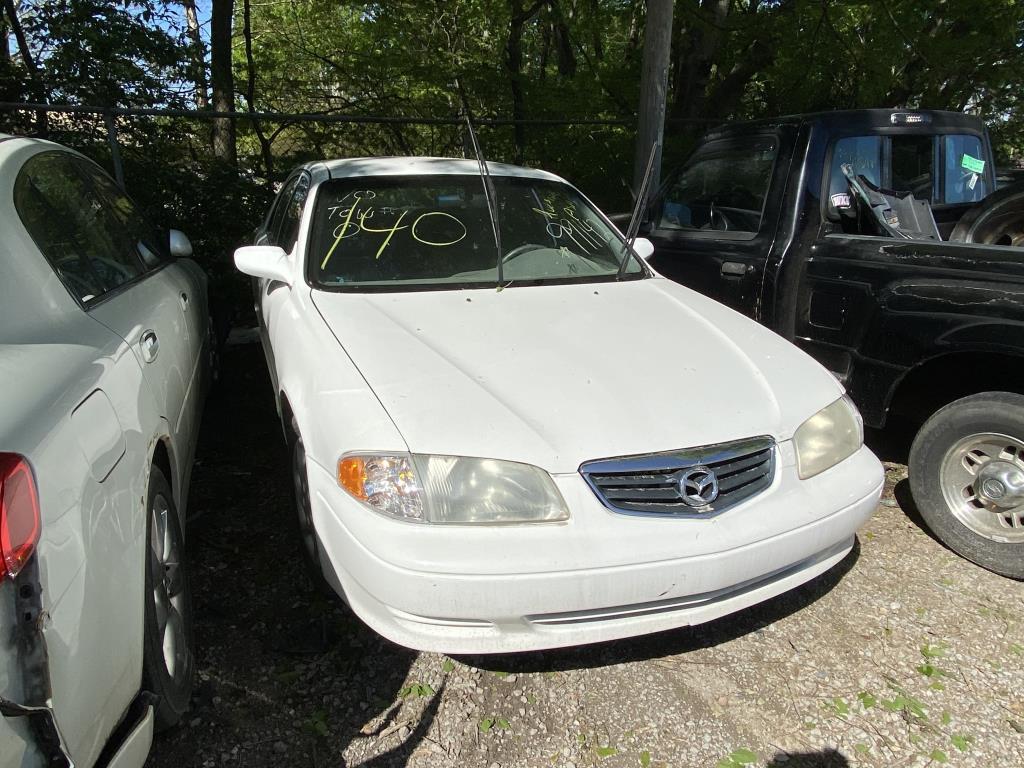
x: 967, y: 478
x: 308, y: 538
x: 168, y: 651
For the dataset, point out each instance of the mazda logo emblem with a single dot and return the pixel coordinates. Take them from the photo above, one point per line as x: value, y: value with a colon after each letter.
x: 698, y: 486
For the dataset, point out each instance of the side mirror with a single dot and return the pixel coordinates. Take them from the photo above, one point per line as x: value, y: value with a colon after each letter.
x: 644, y: 248
x: 180, y: 245
x: 266, y: 261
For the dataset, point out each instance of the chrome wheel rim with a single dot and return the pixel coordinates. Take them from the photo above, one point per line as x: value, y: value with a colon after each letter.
x: 302, y: 503
x: 982, y: 479
x: 170, y: 601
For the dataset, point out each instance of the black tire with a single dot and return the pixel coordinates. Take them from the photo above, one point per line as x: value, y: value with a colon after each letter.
x: 938, y: 442
x: 309, y: 542
x: 168, y: 594
x: 996, y: 220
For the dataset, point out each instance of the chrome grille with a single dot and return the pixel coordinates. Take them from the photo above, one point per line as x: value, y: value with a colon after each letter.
x: 651, y: 483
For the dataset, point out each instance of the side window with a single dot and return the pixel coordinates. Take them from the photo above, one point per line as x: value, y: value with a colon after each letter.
x: 278, y: 210
x: 125, y: 218
x: 73, y: 226
x: 963, y: 172
x: 289, y: 231
x: 723, y: 187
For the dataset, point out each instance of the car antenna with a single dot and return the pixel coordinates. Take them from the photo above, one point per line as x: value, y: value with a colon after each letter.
x: 485, y: 176
x: 638, y: 207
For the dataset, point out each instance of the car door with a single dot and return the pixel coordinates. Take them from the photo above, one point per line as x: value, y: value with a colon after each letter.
x: 714, y: 221
x: 167, y: 277
x: 124, y: 279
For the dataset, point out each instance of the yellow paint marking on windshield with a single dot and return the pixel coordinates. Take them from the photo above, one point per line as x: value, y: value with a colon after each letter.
x: 390, y: 230
x: 344, y: 229
x: 422, y: 216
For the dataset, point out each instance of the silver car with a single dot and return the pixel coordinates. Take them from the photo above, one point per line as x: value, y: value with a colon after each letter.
x: 103, y: 370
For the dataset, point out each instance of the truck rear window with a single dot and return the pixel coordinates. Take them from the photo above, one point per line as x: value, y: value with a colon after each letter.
x: 912, y: 166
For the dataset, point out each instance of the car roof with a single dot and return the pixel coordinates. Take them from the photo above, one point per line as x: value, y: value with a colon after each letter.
x: 425, y: 166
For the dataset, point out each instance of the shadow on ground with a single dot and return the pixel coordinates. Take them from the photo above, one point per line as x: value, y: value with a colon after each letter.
x: 828, y: 758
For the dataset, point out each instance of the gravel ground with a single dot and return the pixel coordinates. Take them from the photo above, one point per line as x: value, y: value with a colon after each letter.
x: 903, y: 655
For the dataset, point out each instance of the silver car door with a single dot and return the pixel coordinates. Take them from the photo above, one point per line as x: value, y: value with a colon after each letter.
x: 146, y: 306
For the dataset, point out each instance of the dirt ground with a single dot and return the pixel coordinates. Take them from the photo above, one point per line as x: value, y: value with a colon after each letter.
x: 903, y: 655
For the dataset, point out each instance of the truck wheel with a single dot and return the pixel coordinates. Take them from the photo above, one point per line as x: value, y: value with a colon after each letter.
x: 308, y: 539
x: 967, y: 479
x: 168, y: 651
x: 996, y: 220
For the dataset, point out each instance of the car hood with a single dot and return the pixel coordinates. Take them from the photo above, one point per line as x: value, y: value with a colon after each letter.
x: 558, y: 375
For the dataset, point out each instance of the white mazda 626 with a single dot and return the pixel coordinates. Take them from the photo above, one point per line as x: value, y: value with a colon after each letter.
x: 507, y: 434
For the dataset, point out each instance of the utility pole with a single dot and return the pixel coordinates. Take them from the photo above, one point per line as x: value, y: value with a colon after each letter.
x: 653, y: 89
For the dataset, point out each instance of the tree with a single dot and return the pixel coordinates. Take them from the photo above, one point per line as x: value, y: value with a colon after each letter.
x: 197, y: 54
x: 222, y: 80
x: 653, y: 90
x: 104, y: 53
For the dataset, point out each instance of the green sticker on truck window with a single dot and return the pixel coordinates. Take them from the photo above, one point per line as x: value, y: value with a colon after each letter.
x: 973, y: 164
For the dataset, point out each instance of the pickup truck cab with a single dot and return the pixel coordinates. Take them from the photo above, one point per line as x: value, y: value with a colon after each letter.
x: 872, y: 240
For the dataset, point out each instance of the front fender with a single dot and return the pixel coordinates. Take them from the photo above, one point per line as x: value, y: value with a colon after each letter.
x: 333, y: 406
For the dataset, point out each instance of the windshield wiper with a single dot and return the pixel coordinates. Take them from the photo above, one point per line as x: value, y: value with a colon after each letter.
x: 638, y: 208
x: 489, y: 194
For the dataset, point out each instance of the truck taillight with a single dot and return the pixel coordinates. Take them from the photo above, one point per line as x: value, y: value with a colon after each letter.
x: 19, y: 514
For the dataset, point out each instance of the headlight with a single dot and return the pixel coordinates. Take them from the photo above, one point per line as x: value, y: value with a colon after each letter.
x: 829, y: 436
x: 452, y: 489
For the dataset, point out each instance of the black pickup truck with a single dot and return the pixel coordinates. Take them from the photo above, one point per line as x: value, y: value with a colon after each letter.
x: 876, y: 241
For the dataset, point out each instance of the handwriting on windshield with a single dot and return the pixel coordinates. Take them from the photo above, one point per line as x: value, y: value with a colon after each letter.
x: 565, y: 223
x: 355, y: 214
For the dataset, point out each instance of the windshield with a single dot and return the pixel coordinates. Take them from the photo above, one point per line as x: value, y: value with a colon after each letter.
x: 397, y: 232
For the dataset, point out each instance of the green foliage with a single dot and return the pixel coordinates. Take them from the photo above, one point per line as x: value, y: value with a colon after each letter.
x: 107, y: 52
x: 416, y: 690
x: 738, y: 758
x: 572, y: 59
x: 489, y: 723
x: 316, y: 724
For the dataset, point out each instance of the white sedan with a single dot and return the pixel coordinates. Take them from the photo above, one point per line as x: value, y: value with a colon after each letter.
x: 103, y: 368
x: 553, y: 447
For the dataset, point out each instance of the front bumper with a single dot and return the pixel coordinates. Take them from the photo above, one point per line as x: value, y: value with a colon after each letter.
x: 599, y: 576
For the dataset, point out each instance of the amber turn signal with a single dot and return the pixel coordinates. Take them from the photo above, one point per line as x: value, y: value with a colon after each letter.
x: 352, y: 476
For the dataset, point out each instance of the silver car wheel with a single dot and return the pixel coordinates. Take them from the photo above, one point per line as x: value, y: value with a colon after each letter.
x: 168, y: 592
x: 982, y: 479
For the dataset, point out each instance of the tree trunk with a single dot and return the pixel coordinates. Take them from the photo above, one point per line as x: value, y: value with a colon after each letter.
x: 514, y: 64
x: 563, y: 44
x: 222, y: 80
x: 250, y: 92
x: 5, y: 42
x: 653, y: 89
x: 38, y: 88
x: 198, y: 53
x: 696, y: 56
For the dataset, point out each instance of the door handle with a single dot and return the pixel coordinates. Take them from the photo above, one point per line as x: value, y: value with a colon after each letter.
x: 150, y: 345
x: 735, y: 268
x: 184, y: 300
